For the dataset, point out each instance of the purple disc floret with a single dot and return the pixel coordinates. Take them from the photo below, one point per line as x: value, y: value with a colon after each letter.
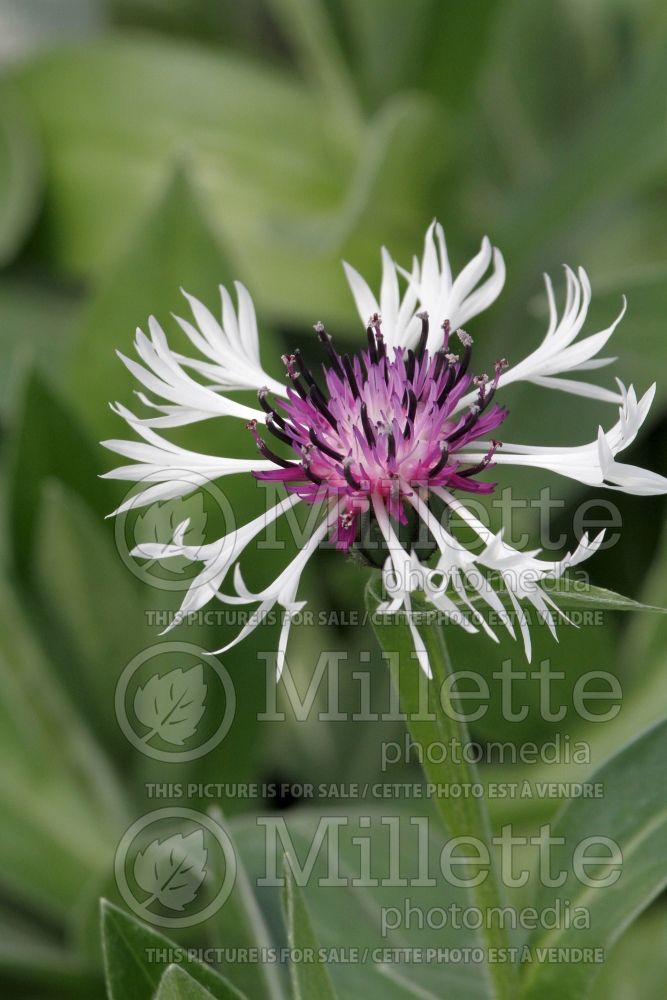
x: 382, y: 425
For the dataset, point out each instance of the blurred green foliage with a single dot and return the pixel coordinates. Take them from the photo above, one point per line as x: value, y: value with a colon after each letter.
x: 147, y: 145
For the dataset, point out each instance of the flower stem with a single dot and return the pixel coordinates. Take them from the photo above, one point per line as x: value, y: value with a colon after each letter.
x: 434, y: 719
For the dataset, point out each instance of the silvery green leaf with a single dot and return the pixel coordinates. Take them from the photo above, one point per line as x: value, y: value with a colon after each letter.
x: 308, y: 978
x: 633, y: 820
x: 172, y: 870
x: 566, y: 592
x: 176, y: 984
x: 172, y: 704
x: 137, y: 956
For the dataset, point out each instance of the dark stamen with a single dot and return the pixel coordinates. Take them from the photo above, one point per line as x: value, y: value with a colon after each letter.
x: 466, y: 340
x: 305, y: 370
x: 266, y: 406
x: 272, y: 426
x: 327, y: 344
x: 323, y: 446
x: 423, y: 337
x: 376, y: 323
x: 481, y: 381
x: 294, y: 375
x: 465, y: 426
x: 412, y: 405
x: 347, y: 472
x: 442, y: 461
x: 366, y: 424
x: 349, y: 371
x: 265, y: 450
x: 440, y: 362
x: 372, y: 346
x: 474, y: 469
x: 312, y: 476
x: 448, y: 386
x: 484, y: 403
x: 319, y: 402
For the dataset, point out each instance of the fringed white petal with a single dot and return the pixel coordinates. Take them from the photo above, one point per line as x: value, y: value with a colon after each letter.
x: 462, y: 298
x: 560, y: 352
x: 229, y: 362
x: 473, y: 579
x: 398, y: 312
x: 282, y: 591
x: 158, y: 461
x: 592, y: 464
x: 218, y: 557
x: 430, y: 288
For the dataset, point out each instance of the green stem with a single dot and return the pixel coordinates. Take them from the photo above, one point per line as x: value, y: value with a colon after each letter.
x: 434, y: 718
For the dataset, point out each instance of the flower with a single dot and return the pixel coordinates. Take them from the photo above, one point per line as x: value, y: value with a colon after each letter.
x: 391, y: 435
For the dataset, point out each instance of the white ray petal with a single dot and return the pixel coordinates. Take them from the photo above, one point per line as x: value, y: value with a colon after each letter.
x: 282, y: 591
x: 364, y: 299
x: 592, y: 464
x: 560, y: 352
x: 429, y: 288
x: 218, y: 557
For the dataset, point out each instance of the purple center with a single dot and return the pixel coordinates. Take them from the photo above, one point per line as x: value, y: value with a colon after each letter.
x: 382, y: 426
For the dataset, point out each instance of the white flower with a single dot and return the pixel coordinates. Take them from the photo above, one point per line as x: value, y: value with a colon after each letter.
x: 401, y: 422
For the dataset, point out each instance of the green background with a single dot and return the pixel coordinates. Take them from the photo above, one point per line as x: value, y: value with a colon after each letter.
x: 148, y: 145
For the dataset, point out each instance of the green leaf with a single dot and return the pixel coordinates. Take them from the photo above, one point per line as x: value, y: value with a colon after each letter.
x: 640, y: 343
x: 240, y: 923
x: 174, y: 247
x: 91, y: 610
x: 31, y: 24
x: 135, y: 958
x: 117, y: 114
x: 575, y: 179
x: 374, y: 212
x: 274, y: 177
x: 572, y: 593
x: 309, y: 978
x: 176, y: 984
x: 62, y: 809
x: 638, y: 657
x: 645, y: 639
x: 20, y: 173
x: 347, y: 918
x: 632, y: 814
x: 46, y: 442
x: 569, y: 593
x: 637, y: 966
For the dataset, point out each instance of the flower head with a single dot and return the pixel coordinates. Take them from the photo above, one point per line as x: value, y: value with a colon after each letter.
x: 400, y: 431
x: 386, y: 424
